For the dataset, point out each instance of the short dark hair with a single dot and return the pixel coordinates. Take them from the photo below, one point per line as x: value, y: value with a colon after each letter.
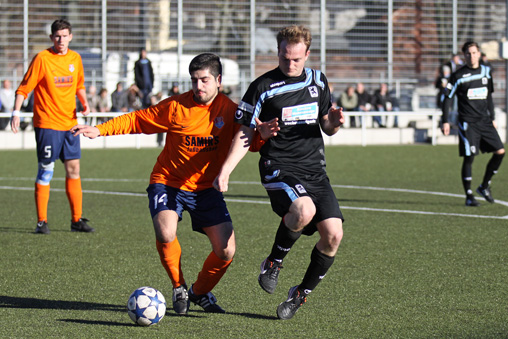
x: 208, y: 61
x: 59, y: 25
x: 468, y: 44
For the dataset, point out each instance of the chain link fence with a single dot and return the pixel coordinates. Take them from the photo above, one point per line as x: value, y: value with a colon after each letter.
x: 398, y: 42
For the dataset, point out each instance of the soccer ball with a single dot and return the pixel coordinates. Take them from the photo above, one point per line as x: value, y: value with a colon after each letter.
x: 146, y: 306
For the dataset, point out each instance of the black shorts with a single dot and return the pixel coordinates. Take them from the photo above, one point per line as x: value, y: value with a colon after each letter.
x: 283, y: 188
x: 479, y: 136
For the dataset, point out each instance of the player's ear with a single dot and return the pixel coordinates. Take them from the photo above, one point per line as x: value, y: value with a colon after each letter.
x: 219, y: 79
x: 70, y: 37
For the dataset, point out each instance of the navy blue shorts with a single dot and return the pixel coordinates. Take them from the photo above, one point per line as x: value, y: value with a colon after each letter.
x: 206, y: 207
x: 52, y: 145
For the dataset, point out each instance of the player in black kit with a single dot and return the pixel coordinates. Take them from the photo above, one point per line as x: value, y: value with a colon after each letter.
x: 473, y: 86
x: 292, y: 163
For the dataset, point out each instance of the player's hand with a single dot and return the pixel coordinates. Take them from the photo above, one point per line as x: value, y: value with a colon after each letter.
x: 494, y: 123
x: 336, y: 116
x: 446, y: 128
x: 221, y: 182
x: 91, y: 132
x: 86, y: 110
x: 15, y: 124
x: 267, y: 129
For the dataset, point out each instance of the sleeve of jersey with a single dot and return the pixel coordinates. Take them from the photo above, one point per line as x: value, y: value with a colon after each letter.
x: 256, y: 143
x: 148, y: 121
x: 32, y: 77
x: 326, y: 100
x: 81, y: 76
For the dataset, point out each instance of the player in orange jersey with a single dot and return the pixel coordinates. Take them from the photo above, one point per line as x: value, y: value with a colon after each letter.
x: 56, y: 76
x: 200, y: 127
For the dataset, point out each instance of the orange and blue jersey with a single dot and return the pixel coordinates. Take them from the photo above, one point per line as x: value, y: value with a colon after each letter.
x: 197, y: 142
x: 55, y: 80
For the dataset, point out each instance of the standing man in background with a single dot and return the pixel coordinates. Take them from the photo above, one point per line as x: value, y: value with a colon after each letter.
x: 143, y: 77
x: 7, y: 101
x: 473, y: 86
x: 56, y: 76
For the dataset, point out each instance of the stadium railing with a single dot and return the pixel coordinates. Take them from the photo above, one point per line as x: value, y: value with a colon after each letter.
x: 407, y: 120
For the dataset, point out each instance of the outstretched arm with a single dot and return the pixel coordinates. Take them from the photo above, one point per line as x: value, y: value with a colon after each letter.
x: 88, y: 131
x: 239, y: 148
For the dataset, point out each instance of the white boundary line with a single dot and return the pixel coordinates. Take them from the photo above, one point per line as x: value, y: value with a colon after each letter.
x: 266, y: 202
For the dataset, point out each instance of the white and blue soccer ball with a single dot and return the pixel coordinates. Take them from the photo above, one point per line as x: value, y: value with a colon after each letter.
x: 146, y: 306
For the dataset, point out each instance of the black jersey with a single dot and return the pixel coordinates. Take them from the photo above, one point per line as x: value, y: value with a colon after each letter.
x: 473, y: 88
x: 299, y: 103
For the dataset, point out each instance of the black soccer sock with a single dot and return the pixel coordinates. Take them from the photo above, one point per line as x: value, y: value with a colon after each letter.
x: 467, y: 174
x: 284, y: 240
x: 492, y: 168
x: 319, y: 265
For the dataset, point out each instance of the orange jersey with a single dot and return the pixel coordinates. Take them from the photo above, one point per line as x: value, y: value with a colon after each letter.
x: 197, y: 142
x: 55, y: 79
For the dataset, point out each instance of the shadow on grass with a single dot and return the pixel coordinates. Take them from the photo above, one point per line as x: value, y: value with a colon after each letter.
x: 17, y: 230
x: 97, y: 322
x: 17, y: 302
x: 44, y: 304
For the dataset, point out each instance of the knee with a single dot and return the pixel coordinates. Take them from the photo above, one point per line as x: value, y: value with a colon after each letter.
x: 227, y: 253
x: 331, y: 238
x: 302, y: 215
x: 45, y: 173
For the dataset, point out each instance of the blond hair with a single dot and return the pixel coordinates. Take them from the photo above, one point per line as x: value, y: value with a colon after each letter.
x: 294, y: 34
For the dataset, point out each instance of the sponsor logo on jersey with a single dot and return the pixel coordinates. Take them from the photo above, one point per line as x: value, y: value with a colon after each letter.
x: 277, y: 84
x: 63, y: 81
x: 300, y: 114
x: 201, y: 144
x: 313, y: 91
x: 219, y: 122
x: 477, y: 93
x: 71, y: 67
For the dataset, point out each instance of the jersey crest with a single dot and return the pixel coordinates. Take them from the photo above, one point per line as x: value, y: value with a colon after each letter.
x: 219, y: 122
x: 71, y: 67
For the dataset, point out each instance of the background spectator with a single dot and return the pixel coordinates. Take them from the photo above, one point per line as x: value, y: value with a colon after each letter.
x: 349, y: 102
x: 364, y: 99
x: 119, y: 101
x: 6, y: 101
x: 143, y: 77
x: 134, y: 98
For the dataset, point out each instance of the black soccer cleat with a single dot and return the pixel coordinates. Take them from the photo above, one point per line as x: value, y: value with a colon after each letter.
x: 471, y: 201
x: 485, y: 192
x: 287, y: 309
x: 81, y: 226
x: 42, y: 228
x: 206, y: 301
x: 269, y: 275
x: 181, y: 299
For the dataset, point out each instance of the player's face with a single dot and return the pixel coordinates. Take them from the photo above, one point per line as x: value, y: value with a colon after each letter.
x: 205, y: 86
x: 61, y: 40
x: 292, y: 58
x: 472, y: 56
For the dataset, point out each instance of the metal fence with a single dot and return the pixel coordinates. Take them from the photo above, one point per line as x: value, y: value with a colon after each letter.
x: 398, y: 42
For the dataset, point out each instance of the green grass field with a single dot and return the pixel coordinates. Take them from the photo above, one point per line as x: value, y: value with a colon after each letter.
x: 414, y: 261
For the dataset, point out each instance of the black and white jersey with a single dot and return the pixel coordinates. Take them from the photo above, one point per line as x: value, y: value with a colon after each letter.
x: 299, y: 103
x: 473, y: 88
